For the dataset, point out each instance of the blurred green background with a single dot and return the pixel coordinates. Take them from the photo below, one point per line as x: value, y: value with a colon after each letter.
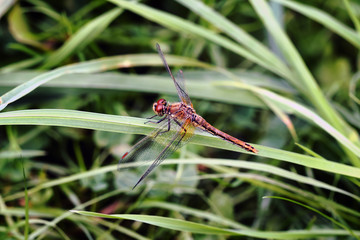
x: 78, y: 79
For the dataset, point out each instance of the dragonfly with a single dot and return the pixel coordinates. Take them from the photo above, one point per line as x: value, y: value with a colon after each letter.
x: 176, y: 126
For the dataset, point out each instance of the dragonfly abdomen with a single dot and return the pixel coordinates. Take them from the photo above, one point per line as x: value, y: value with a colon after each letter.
x: 203, y: 124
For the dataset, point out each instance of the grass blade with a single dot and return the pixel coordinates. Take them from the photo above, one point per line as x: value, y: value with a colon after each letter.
x: 98, y: 65
x: 82, y: 38
x: 320, y: 213
x: 181, y: 225
x: 236, y: 33
x: 106, y: 122
x: 324, y: 19
x: 310, y: 88
x: 180, y: 25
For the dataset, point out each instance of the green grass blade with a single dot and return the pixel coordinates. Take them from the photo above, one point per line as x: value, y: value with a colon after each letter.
x: 325, y: 19
x: 21, y: 64
x: 310, y: 88
x: 194, y: 212
x: 320, y: 213
x: 218, y: 165
x: 171, y: 223
x: 143, y: 83
x: 98, y: 65
x: 311, y: 116
x: 180, y: 25
x: 352, y: 15
x: 27, y: 206
x: 290, y: 106
x: 82, y: 38
x: 22, y: 153
x: 181, y: 225
x: 105, y: 122
x: 236, y: 33
x: 259, y: 180
x: 209, y: 91
x: 19, y: 28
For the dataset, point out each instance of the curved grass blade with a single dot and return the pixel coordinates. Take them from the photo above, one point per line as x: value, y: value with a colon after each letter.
x: 290, y: 106
x: 93, y: 66
x: 237, y: 33
x: 82, y: 38
x: 22, y: 153
x: 106, y: 122
x: 209, y: 91
x: 181, y: 225
x: 20, y: 30
x: 214, y: 162
x: 181, y: 25
x: 141, y: 83
x: 310, y: 87
x: 214, y: 218
x: 21, y: 64
x: 325, y: 19
x: 320, y: 213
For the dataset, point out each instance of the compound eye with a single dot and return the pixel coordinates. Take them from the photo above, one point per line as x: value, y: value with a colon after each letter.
x: 162, y: 102
x: 159, y: 108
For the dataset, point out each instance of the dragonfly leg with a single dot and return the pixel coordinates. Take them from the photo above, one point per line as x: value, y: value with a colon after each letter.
x: 177, y: 122
x: 183, y: 133
x: 168, y: 129
x: 152, y: 116
x: 168, y: 126
x: 181, y: 125
x: 155, y: 121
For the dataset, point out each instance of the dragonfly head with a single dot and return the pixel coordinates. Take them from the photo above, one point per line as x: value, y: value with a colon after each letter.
x: 160, y: 106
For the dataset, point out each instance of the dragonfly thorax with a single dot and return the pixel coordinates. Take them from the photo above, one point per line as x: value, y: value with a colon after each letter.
x: 160, y: 107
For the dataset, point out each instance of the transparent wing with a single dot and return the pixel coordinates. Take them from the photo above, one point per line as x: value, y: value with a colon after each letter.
x: 159, y: 144
x: 179, y: 83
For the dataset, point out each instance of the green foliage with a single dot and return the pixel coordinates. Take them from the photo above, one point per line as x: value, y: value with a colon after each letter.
x: 286, y: 82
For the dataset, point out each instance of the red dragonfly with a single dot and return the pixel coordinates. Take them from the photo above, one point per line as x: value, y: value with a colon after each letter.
x: 176, y: 127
